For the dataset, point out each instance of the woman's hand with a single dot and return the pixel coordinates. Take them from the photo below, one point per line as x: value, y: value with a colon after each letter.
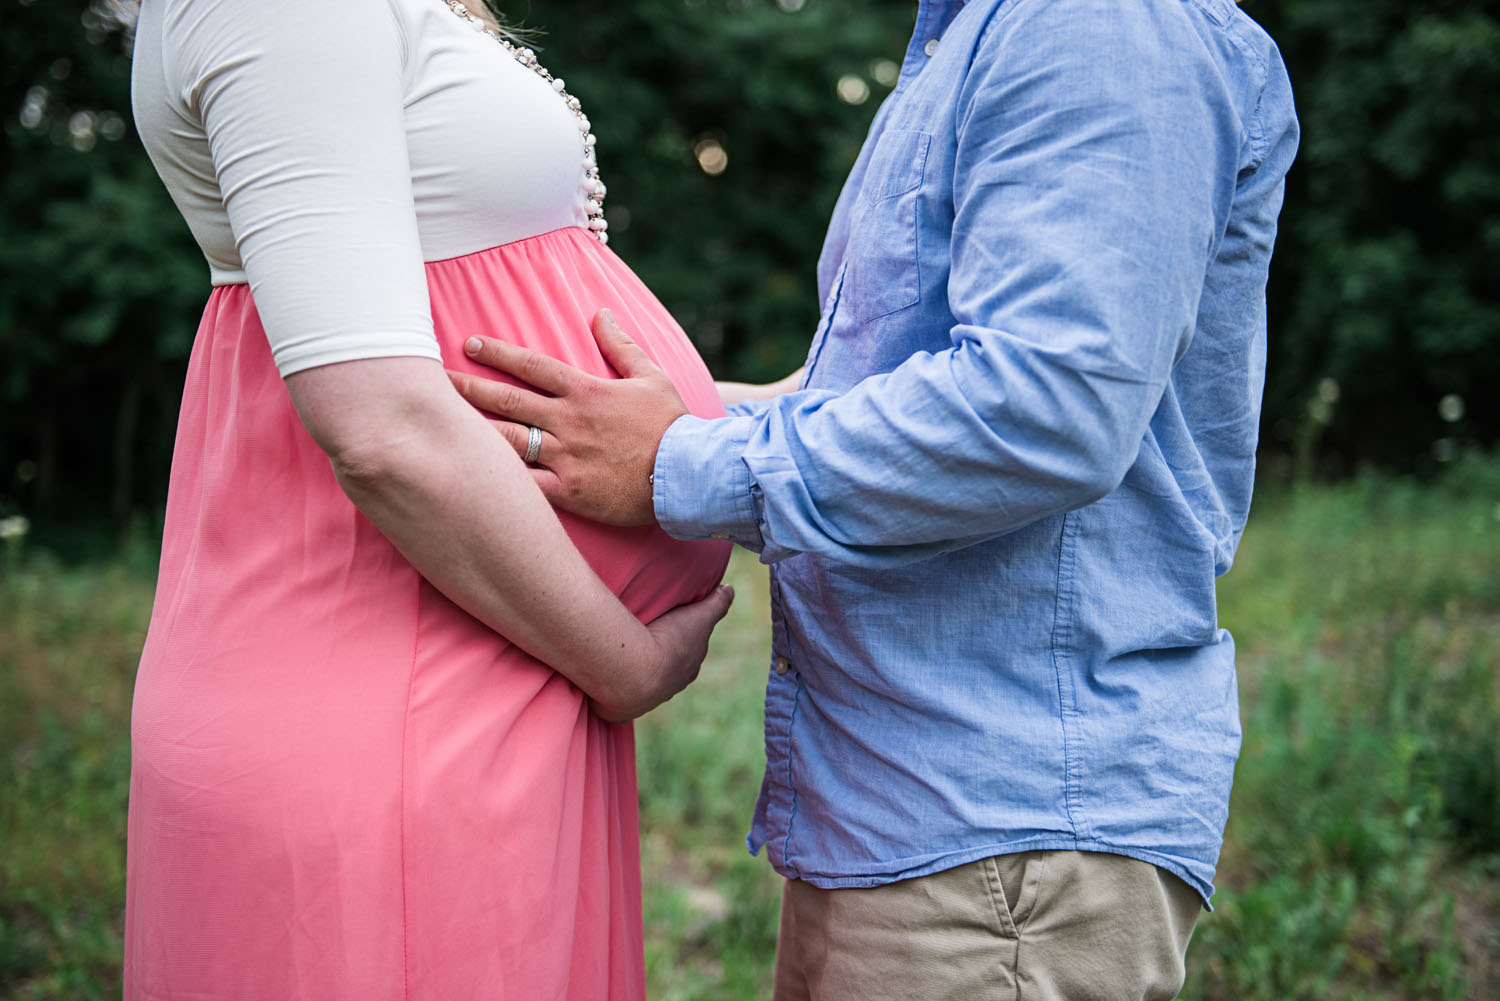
x: 681, y: 637
x: 742, y: 392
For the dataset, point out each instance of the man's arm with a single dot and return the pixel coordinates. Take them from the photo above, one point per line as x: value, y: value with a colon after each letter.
x: 1095, y: 170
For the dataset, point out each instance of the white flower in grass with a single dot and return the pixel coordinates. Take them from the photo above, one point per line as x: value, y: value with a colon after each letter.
x: 14, y: 527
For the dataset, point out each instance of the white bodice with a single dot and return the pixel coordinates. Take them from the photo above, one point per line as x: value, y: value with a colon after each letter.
x: 322, y: 150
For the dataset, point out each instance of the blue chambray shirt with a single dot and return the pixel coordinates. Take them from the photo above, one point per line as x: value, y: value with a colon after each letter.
x: 1023, y: 451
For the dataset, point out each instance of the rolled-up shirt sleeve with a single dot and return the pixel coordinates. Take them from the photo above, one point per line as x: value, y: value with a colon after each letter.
x: 1094, y: 174
x: 303, y: 108
x: 703, y: 489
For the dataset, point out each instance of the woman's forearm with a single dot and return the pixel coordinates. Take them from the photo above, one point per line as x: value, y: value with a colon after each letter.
x: 731, y: 393
x: 432, y: 475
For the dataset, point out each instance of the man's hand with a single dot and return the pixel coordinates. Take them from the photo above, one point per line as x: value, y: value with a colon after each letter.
x: 598, y: 436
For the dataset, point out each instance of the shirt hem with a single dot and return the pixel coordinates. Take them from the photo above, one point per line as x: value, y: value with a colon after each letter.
x: 925, y: 865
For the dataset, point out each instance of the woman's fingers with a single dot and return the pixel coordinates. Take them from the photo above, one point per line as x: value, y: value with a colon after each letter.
x: 685, y: 629
x: 711, y: 609
x: 682, y: 637
x: 531, y: 367
x: 619, y: 350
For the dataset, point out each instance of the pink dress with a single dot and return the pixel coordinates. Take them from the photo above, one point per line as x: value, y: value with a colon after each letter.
x: 344, y: 787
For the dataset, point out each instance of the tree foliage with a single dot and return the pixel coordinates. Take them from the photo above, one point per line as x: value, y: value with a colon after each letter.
x: 100, y: 282
x: 755, y: 82
x: 725, y: 129
x: 1385, y: 288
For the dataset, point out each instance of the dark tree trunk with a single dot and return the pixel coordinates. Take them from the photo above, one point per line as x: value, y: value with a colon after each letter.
x: 127, y: 420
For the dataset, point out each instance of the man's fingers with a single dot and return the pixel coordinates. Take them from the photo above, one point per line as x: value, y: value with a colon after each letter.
x: 504, y: 400
x: 547, y: 482
x: 517, y: 436
x: 532, y: 367
x: 619, y: 350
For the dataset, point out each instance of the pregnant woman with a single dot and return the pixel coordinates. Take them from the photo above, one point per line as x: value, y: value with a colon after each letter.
x: 372, y: 750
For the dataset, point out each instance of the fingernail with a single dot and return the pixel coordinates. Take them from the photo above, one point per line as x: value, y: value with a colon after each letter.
x: 609, y: 317
x: 472, y: 345
x: 727, y: 591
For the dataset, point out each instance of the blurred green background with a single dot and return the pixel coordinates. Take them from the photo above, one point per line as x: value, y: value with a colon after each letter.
x: 1363, y: 852
x: 725, y: 130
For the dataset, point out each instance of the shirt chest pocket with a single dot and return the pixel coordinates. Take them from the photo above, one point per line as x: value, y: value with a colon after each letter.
x: 882, y: 249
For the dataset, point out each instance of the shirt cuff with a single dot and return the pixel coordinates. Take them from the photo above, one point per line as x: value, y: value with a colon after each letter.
x: 701, y: 487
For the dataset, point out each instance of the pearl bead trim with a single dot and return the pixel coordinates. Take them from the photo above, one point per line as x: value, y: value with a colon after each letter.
x: 593, y: 187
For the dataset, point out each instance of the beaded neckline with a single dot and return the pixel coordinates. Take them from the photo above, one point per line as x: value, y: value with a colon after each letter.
x: 593, y: 187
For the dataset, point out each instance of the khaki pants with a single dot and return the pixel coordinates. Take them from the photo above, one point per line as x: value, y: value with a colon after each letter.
x: 1036, y: 926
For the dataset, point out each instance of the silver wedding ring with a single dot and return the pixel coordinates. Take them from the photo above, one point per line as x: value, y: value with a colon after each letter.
x: 533, y: 444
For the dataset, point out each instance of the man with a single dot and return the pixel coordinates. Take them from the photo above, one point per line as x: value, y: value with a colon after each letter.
x: 1001, y: 722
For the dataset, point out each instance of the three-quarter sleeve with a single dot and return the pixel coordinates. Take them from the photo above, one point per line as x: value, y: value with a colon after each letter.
x: 302, y: 106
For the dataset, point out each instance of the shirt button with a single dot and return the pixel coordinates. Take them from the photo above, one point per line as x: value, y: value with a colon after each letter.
x: 718, y: 535
x: 931, y: 46
x: 781, y: 664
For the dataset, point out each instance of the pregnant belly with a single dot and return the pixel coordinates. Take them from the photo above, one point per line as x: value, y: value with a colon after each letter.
x: 263, y: 556
x: 542, y: 293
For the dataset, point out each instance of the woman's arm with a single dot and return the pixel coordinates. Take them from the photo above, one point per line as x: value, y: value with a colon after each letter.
x: 747, y: 392
x: 302, y: 105
x: 429, y: 472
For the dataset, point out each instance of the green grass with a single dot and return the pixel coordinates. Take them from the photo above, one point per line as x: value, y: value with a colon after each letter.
x: 1363, y: 852
x: 69, y: 641
x: 1363, y: 848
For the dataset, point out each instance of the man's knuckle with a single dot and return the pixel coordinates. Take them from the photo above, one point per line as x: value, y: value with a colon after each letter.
x: 594, y: 394
x: 532, y: 366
